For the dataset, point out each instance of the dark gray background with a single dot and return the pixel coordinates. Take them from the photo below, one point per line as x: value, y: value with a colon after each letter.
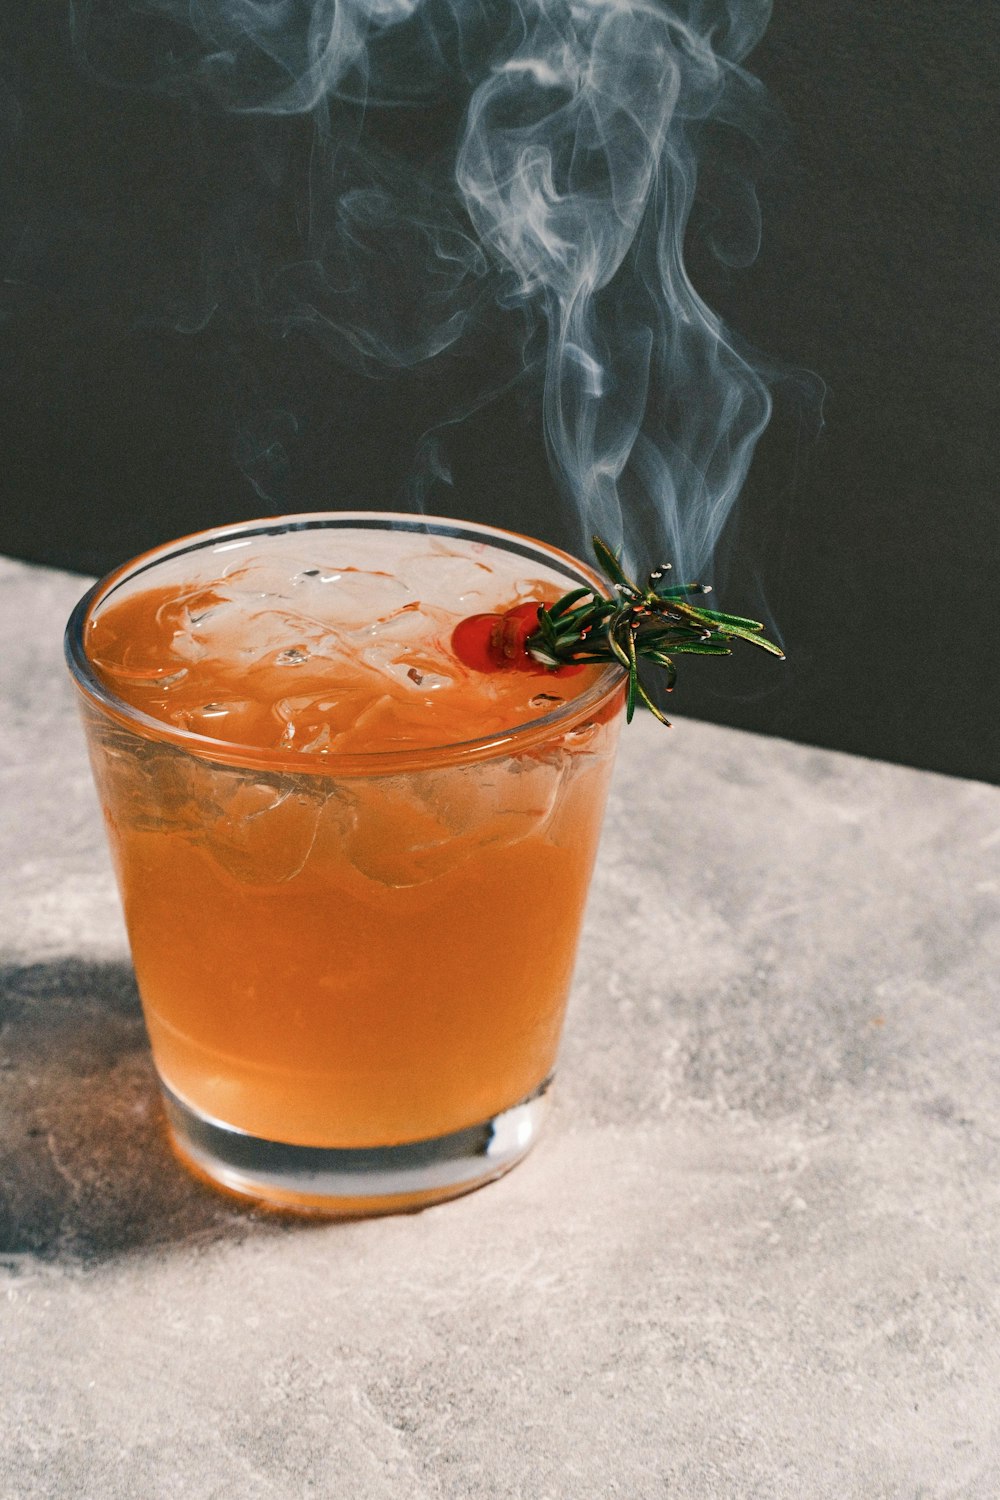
x: 872, y: 544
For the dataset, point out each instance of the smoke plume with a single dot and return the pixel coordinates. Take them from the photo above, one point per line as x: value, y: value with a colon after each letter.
x: 528, y: 161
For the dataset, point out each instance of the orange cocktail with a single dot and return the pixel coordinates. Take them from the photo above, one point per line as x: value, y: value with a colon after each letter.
x: 353, y: 869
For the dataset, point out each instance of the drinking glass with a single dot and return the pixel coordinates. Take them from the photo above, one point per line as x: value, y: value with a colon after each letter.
x: 353, y: 967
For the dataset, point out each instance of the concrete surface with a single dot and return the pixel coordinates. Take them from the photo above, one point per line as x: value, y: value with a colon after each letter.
x: 755, y: 1255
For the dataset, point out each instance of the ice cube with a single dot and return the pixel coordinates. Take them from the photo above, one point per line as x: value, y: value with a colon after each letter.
x: 319, y: 743
x: 497, y: 801
x: 310, y: 722
x: 200, y: 620
x: 350, y: 736
x: 440, y: 577
x: 347, y: 597
x: 222, y: 719
x: 401, y: 648
x: 402, y: 719
x: 415, y: 671
x: 260, y: 577
x: 138, y: 675
x: 154, y: 786
x: 265, y: 831
x: 396, y: 838
x: 410, y: 623
x: 411, y: 829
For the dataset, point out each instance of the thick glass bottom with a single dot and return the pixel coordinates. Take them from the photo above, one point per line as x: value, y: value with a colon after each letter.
x: 355, y: 1181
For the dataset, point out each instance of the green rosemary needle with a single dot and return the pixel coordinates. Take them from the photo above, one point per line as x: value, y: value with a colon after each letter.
x: 634, y: 624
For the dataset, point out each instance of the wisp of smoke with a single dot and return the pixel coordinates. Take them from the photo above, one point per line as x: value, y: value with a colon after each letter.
x: 554, y: 179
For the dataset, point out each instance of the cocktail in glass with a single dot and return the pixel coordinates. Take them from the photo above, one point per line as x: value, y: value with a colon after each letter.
x: 353, y: 871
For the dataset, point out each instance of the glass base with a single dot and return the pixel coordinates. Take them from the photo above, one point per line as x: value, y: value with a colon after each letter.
x: 354, y: 1181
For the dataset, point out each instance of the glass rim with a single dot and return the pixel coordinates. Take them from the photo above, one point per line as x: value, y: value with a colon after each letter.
x: 518, y: 737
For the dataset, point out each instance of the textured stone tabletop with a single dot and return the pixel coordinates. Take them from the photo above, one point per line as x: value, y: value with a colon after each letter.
x: 755, y: 1254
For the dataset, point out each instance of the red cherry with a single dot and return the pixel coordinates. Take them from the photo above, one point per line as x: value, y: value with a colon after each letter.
x: 496, y: 642
x: 474, y: 642
x: 526, y: 613
x: 517, y: 624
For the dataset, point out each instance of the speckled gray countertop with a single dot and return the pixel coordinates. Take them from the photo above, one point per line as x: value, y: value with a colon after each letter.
x: 756, y: 1254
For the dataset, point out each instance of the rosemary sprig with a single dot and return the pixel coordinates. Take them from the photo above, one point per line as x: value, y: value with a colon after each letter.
x: 654, y: 624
